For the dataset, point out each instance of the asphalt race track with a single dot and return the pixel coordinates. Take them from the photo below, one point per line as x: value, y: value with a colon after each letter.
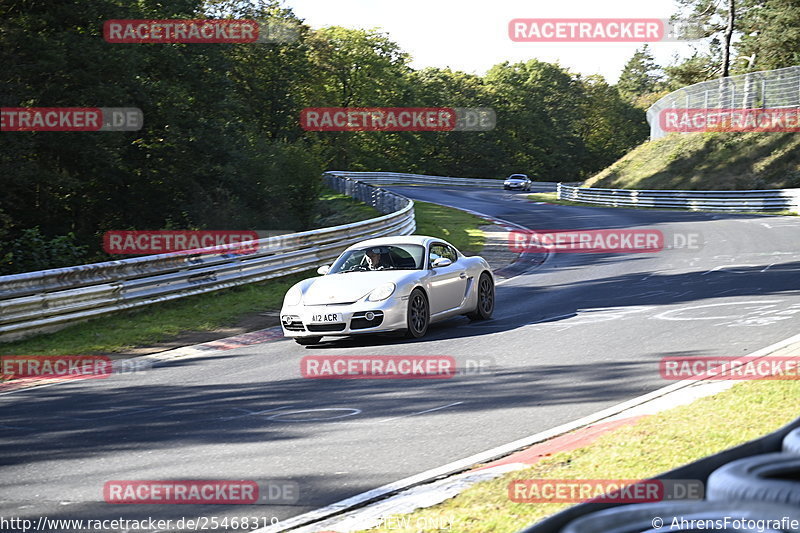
x: 577, y: 334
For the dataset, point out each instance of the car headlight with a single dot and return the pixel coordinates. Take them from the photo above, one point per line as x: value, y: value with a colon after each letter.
x: 381, y: 293
x: 293, y: 296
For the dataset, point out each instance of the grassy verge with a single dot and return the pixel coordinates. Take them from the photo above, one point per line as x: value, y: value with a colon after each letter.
x: 645, y: 449
x: 457, y: 227
x: 708, y: 161
x: 551, y: 198
x: 207, y: 312
x: 334, y: 209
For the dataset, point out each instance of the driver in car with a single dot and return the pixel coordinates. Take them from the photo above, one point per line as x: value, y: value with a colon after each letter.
x: 374, y: 259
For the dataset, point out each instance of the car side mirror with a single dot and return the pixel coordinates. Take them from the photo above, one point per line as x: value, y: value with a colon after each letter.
x: 324, y: 269
x: 441, y: 262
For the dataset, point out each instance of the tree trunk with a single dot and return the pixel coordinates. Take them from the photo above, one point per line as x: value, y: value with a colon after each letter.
x: 726, y: 46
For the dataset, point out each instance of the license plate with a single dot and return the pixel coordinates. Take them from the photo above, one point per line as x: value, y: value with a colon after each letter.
x: 325, y: 318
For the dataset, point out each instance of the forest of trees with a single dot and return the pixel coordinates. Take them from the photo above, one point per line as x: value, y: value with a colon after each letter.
x: 222, y: 148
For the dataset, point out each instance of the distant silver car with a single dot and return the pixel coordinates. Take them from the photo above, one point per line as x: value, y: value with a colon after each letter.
x: 517, y: 181
x: 389, y: 284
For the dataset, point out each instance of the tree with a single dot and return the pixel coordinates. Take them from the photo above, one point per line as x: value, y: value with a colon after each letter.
x: 718, y: 19
x: 355, y: 68
x: 611, y: 125
x: 695, y: 69
x: 770, y: 35
x: 454, y: 153
x: 640, y: 75
x: 538, y: 112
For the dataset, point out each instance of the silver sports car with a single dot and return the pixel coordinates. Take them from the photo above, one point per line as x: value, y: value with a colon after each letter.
x: 389, y: 284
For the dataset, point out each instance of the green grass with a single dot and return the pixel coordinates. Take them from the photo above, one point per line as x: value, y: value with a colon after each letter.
x: 335, y: 209
x: 708, y: 161
x: 645, y: 449
x: 552, y: 198
x: 207, y: 312
x: 456, y: 227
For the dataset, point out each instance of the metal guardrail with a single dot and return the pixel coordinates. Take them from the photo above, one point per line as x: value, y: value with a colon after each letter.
x: 47, y: 300
x: 768, y: 89
x: 758, y: 200
x: 395, y: 178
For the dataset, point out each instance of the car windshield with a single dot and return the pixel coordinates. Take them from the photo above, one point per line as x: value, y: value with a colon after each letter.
x: 387, y: 257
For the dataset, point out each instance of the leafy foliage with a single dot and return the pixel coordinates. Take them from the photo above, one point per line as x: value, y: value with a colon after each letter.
x: 222, y: 148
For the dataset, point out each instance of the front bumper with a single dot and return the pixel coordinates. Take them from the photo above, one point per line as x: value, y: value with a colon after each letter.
x: 353, y: 318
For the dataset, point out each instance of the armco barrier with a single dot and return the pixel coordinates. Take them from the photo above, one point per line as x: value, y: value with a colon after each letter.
x: 47, y: 300
x: 763, y: 200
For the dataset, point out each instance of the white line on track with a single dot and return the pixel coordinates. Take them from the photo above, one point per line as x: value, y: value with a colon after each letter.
x: 352, y: 412
x: 420, y: 412
x: 251, y: 413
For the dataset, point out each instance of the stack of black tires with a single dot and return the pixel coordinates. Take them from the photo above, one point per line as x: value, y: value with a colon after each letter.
x: 753, y: 487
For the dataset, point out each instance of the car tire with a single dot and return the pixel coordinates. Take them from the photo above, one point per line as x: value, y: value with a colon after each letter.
x: 485, y: 297
x: 640, y: 517
x: 768, y: 477
x: 307, y: 341
x: 791, y: 442
x: 418, y: 316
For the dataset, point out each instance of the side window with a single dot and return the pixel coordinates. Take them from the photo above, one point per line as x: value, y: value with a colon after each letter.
x: 436, y: 251
x: 441, y: 250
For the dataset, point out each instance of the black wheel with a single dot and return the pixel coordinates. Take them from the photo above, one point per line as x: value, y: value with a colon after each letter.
x: 652, y: 517
x: 419, y: 314
x: 769, y: 477
x: 485, y: 299
x: 791, y: 443
x: 307, y: 341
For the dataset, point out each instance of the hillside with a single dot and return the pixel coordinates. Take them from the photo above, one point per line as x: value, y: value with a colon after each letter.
x: 712, y: 161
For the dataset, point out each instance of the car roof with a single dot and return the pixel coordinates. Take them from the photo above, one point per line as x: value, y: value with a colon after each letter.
x: 400, y: 239
x: 517, y: 176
